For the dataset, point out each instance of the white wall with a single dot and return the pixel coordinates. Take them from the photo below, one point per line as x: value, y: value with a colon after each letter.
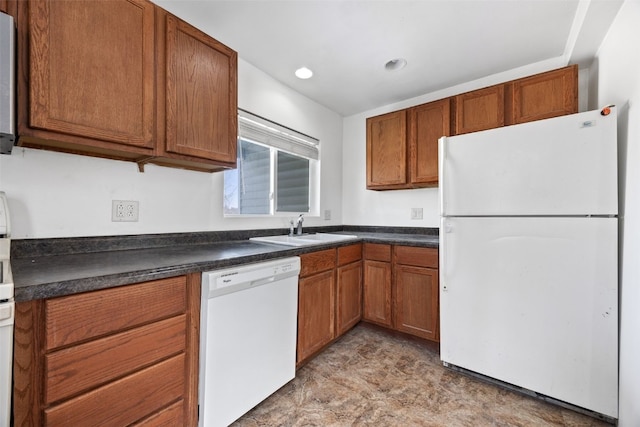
x: 62, y: 195
x: 393, y: 208
x: 616, y: 80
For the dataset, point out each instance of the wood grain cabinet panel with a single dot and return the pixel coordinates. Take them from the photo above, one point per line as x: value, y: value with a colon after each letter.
x: 170, y: 416
x: 315, y: 262
x: 377, y: 292
x: 402, y: 146
x: 401, y: 289
x: 377, y: 252
x: 416, y: 291
x: 201, y: 95
x: 417, y: 256
x: 427, y: 123
x: 480, y: 110
x: 3, y: 6
x: 416, y: 301
x: 78, y: 368
x: 316, y: 313
x: 92, y: 72
x: 124, y: 79
x: 118, y: 356
x: 349, y: 254
x: 349, y: 296
x: 387, y: 151
x: 80, y: 317
x: 329, y: 297
x: 546, y: 95
x: 122, y: 402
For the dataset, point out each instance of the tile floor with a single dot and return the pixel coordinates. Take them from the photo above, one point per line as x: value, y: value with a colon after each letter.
x: 371, y: 377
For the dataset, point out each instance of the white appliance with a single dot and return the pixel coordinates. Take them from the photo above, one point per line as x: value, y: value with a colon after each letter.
x: 528, y: 257
x: 6, y: 315
x: 7, y: 83
x: 248, y: 331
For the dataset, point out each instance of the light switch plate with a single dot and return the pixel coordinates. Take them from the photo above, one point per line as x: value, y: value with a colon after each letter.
x: 416, y: 213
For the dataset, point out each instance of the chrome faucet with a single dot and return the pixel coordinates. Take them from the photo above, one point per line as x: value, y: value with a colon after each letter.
x: 299, y: 225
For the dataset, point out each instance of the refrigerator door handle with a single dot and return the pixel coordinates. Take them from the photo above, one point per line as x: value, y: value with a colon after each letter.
x: 442, y: 155
x: 446, y: 228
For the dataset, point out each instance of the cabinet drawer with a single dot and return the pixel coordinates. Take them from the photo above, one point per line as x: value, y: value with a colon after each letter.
x: 80, y: 317
x: 85, y: 366
x: 315, y: 262
x: 170, y: 416
x: 126, y: 400
x: 420, y: 257
x: 348, y: 254
x: 377, y: 252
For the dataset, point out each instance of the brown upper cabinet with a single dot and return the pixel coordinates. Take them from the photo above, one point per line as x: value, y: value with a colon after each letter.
x: 92, y: 73
x: 545, y: 95
x: 480, y: 110
x: 201, y: 100
x: 124, y: 79
x: 427, y: 123
x: 3, y: 6
x: 387, y: 151
x: 402, y: 146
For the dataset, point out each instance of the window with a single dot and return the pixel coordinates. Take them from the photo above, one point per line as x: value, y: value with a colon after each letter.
x: 277, y: 173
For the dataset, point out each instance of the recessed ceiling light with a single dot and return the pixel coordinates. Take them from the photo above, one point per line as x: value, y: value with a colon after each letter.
x: 395, y: 64
x: 304, y: 73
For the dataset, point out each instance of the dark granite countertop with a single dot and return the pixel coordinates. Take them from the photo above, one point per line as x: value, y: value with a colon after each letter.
x: 85, y: 264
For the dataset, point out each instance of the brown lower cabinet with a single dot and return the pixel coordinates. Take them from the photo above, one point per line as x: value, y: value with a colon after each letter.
x: 349, y: 288
x: 377, y: 284
x: 119, y: 356
x: 401, y: 288
x: 329, y: 297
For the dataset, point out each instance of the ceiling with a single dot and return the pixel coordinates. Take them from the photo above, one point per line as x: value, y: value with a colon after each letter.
x: 445, y: 42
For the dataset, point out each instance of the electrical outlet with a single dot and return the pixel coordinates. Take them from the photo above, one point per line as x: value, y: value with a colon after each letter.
x: 124, y: 210
x: 416, y: 213
x: 327, y: 214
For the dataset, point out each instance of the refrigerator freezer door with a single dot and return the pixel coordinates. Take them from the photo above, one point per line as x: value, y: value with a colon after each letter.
x: 534, y: 302
x: 561, y: 166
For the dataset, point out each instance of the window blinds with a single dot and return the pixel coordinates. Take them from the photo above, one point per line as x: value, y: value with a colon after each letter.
x: 257, y: 129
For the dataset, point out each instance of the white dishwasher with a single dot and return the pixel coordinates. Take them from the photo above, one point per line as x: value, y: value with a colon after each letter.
x: 248, y: 327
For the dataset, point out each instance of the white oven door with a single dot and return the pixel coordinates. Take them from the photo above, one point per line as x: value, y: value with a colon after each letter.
x: 6, y: 360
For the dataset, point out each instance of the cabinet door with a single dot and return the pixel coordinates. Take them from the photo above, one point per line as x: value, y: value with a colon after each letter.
x: 201, y: 95
x: 480, y: 110
x: 546, y: 95
x: 349, y: 297
x: 92, y: 73
x: 427, y: 123
x: 316, y: 309
x: 377, y: 292
x: 3, y: 6
x: 387, y: 151
x: 416, y: 301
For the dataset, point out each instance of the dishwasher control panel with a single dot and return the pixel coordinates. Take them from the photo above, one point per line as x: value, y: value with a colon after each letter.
x: 246, y: 276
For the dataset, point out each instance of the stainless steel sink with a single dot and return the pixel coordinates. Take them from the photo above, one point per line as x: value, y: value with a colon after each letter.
x: 305, y: 239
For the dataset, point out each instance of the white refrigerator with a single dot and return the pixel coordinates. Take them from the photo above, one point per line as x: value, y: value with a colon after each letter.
x: 529, y: 257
